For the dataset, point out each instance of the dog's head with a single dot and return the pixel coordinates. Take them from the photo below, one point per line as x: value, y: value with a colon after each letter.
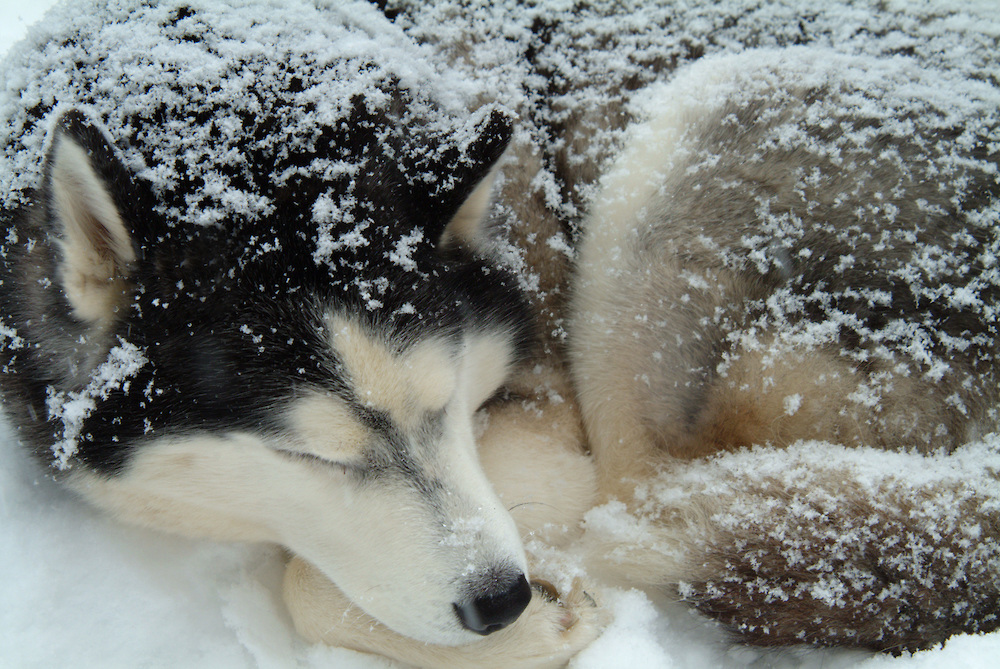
x: 308, y: 377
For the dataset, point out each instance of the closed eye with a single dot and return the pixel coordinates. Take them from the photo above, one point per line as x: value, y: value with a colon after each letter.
x: 345, y: 467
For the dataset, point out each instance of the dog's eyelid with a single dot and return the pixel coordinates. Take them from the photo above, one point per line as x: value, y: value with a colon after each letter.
x: 347, y: 465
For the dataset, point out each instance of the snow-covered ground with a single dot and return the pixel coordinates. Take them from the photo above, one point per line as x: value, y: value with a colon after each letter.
x: 80, y: 590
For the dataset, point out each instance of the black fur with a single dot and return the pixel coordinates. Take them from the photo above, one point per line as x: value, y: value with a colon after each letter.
x: 229, y: 315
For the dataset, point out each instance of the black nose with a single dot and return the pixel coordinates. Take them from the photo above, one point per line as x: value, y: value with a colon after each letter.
x: 497, y: 608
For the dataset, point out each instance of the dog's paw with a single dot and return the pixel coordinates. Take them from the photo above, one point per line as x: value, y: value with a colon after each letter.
x: 551, y: 630
x: 554, y: 628
x: 575, y: 606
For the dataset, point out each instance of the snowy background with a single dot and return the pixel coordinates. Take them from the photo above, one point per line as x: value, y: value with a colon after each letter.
x: 78, y: 590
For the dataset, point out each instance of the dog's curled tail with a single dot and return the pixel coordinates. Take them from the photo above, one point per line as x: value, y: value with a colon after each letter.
x: 819, y: 544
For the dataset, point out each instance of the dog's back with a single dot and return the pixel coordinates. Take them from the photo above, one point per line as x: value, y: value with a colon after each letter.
x: 795, y: 251
x: 786, y: 255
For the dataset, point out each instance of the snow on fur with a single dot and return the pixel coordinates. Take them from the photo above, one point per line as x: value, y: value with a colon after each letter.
x: 783, y: 180
x: 893, y: 544
x: 73, y: 407
x: 203, y: 94
x: 869, y: 535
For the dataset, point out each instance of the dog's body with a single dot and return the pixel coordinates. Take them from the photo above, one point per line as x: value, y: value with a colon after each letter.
x: 792, y: 226
x: 807, y: 255
x: 268, y: 308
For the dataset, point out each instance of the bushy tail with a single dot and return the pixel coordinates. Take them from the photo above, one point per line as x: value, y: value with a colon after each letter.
x: 819, y: 544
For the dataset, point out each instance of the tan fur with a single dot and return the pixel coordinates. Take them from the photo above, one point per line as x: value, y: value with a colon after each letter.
x: 96, y: 245
x: 327, y: 428
x: 466, y: 226
x: 531, y: 454
x: 782, y: 397
x: 405, y: 384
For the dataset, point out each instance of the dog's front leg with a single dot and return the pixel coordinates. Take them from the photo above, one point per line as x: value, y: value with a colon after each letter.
x: 532, y: 452
x: 547, y: 634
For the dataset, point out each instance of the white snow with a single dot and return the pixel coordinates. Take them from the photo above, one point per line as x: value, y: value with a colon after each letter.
x: 792, y: 403
x: 72, y: 408
x: 402, y: 252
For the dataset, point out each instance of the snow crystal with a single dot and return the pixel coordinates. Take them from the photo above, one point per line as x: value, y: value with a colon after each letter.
x: 792, y: 404
x: 73, y: 407
x: 402, y: 252
x: 559, y: 243
x: 9, y: 339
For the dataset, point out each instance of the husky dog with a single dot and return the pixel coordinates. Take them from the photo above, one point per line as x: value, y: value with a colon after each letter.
x: 782, y: 341
x: 252, y: 290
x: 254, y: 310
x: 782, y: 331
x: 799, y: 245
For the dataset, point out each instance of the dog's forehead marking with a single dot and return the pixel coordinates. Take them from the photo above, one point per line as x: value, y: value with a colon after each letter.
x: 405, y: 384
x: 327, y: 427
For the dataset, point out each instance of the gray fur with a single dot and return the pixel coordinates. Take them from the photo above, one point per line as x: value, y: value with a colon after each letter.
x: 789, y: 249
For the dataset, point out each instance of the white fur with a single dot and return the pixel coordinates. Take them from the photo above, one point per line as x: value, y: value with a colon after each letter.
x: 487, y: 363
x: 400, y: 555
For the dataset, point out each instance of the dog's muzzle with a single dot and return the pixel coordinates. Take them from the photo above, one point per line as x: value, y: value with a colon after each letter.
x: 496, y: 609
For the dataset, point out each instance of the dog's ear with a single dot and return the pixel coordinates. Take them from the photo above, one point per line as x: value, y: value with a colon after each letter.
x: 463, y: 209
x: 96, y: 249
